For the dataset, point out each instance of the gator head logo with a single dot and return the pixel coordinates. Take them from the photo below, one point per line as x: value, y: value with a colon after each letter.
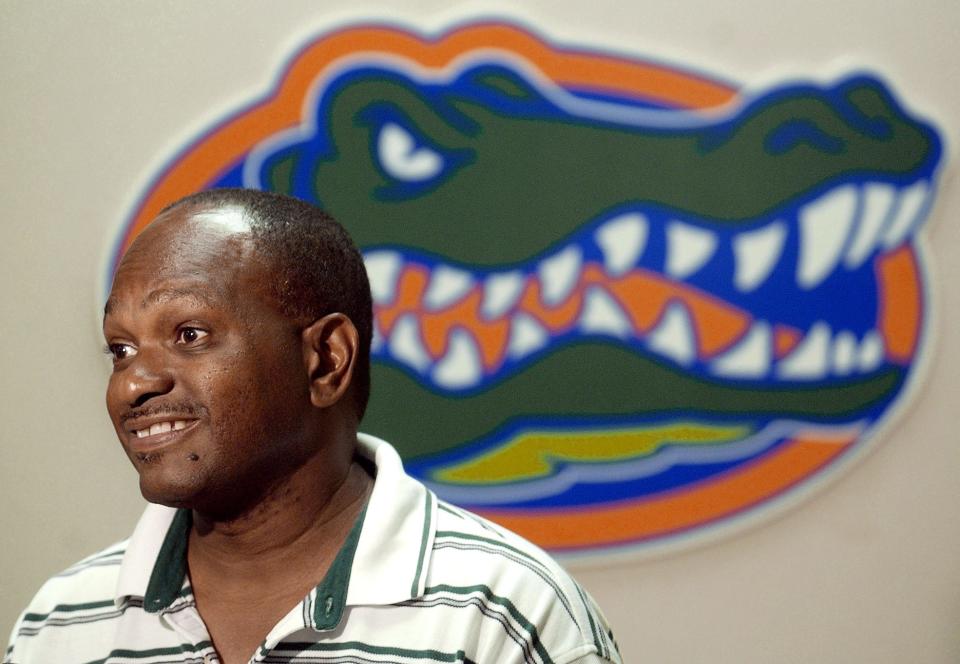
x: 614, y: 302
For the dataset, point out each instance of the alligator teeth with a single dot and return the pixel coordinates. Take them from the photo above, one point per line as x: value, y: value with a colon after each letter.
x: 405, y: 344
x: 461, y: 366
x: 673, y: 337
x: 824, y: 226
x: 810, y: 358
x: 878, y: 198
x: 844, y: 353
x: 756, y: 253
x: 383, y: 268
x: 526, y: 336
x: 559, y: 274
x: 750, y: 358
x: 909, y: 209
x: 447, y: 285
x: 602, y: 315
x: 500, y: 293
x: 688, y: 248
x: 870, y: 354
x: 622, y: 240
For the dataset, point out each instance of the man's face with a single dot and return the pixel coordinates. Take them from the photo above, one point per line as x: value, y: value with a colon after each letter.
x: 209, y: 394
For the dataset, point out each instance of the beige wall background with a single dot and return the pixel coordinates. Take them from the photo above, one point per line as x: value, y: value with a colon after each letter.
x: 97, y: 95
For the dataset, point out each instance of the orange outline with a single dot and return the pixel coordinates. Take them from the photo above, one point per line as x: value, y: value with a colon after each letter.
x: 212, y: 154
x: 899, y: 316
x: 693, y: 506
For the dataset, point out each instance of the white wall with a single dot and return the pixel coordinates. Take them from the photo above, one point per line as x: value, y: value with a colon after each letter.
x: 95, y: 97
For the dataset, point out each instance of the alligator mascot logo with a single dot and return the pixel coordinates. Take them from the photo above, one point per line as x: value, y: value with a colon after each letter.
x: 616, y: 303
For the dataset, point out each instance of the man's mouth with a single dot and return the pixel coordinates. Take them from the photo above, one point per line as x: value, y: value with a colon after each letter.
x: 160, y: 428
x: 151, y: 433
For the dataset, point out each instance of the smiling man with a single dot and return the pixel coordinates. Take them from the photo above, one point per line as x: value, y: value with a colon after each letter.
x: 239, y: 324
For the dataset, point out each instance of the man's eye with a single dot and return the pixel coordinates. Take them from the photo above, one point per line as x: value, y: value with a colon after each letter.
x: 190, y: 335
x: 120, y: 351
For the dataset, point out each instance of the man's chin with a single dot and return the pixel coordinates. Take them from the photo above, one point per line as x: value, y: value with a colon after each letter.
x: 178, y: 497
x: 167, y: 486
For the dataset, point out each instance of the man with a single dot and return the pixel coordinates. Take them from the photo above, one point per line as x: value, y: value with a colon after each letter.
x: 239, y: 324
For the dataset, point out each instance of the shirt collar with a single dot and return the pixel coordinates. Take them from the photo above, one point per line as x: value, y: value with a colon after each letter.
x: 393, y: 554
x: 388, y: 549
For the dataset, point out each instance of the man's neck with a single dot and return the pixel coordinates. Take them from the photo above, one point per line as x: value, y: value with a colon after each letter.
x: 249, y: 572
x: 304, y: 517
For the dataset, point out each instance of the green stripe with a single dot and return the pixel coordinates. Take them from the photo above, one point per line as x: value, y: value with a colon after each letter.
x: 539, y: 570
x: 468, y: 516
x: 479, y: 538
x: 93, y: 561
x: 415, y: 587
x: 65, y: 608
x: 434, y: 655
x: 518, y: 617
x: 154, y: 652
x: 593, y: 626
x: 448, y: 510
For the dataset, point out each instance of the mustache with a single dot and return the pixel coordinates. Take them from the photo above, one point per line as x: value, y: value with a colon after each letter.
x: 187, y: 409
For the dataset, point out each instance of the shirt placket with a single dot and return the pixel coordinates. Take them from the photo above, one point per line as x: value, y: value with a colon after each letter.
x: 295, y: 621
x: 184, y: 619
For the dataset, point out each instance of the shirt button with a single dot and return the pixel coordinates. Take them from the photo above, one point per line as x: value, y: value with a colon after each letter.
x: 328, y: 606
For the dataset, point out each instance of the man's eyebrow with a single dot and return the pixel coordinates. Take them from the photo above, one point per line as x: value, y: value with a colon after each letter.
x: 162, y: 295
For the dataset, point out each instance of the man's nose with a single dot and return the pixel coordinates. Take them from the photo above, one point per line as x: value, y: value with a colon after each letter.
x: 146, y: 376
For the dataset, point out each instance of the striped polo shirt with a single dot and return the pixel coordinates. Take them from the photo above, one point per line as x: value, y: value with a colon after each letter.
x: 417, y: 580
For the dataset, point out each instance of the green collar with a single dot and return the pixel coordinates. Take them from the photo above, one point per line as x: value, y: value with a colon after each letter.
x: 170, y: 570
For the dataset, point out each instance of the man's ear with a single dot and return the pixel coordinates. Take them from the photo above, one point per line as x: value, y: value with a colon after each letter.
x: 330, y: 347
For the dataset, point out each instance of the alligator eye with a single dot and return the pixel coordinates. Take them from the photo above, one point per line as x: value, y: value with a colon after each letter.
x: 403, y: 159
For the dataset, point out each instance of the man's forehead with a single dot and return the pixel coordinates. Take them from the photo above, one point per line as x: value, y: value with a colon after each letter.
x: 197, y: 294
x: 188, y: 253
x: 203, y: 227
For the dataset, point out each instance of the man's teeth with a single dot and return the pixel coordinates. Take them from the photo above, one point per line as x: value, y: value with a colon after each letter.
x: 161, y: 427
